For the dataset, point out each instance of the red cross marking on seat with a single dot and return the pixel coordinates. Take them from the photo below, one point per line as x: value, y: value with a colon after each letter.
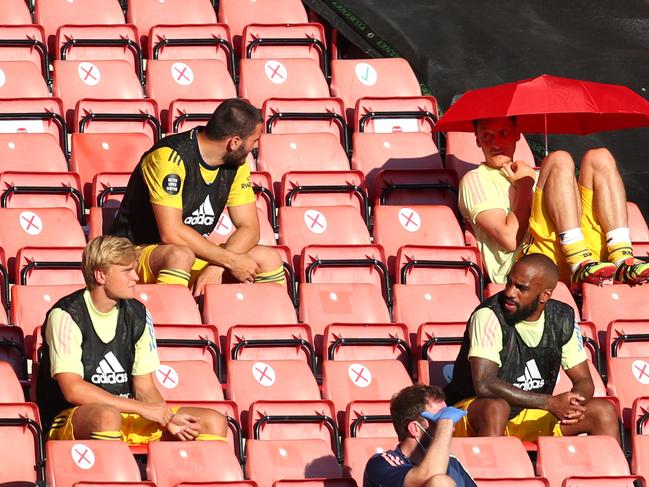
x: 409, y: 218
x: 181, y: 73
x: 359, y: 375
x: 314, y: 221
x: 82, y: 455
x: 88, y: 72
x: 30, y: 222
x: 166, y: 376
x: 275, y: 71
x: 263, y: 374
x: 221, y: 223
x: 642, y: 371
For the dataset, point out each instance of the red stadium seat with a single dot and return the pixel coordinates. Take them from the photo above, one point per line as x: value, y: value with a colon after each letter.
x: 118, y: 116
x: 641, y: 249
x: 463, y: 154
x: 437, y: 346
x: 71, y: 461
x: 603, y: 304
x: 368, y: 419
x: 270, y: 460
x: 24, y: 43
x: 12, y: 347
x: 416, y: 187
x: 357, y: 451
x: 503, y: 456
x: 323, y: 304
x: 262, y: 185
x: 30, y: 304
x: 186, y: 114
x: 75, y: 80
x: 529, y: 482
x: 640, y: 459
x: 15, y: 12
x: 260, y: 79
x: 306, y: 115
x: 172, y: 462
x: 224, y: 228
x: 100, y: 220
x: 189, y: 342
x: 270, y: 342
x: 33, y: 115
x: 170, y: 304
x: 395, y: 226
x: 320, y: 225
x: 49, y: 265
x: 281, y: 153
x: 145, y: 14
x: 423, y: 303
x: 31, y: 152
x: 188, y: 380
x: 170, y: 80
x: 237, y: 14
x: 38, y: 227
x: 564, y: 385
x: 344, y: 381
x: 588, y: 456
x: 375, y: 152
x: 604, y: 481
x: 273, y: 380
x: 640, y: 416
x: 226, y: 305
x: 637, y: 223
x: 268, y: 41
x: 315, y: 483
x: 20, y: 445
x: 11, y: 390
x: 400, y: 114
x: 52, y: 14
x: 352, y: 79
x: 84, y: 43
x: 22, y: 79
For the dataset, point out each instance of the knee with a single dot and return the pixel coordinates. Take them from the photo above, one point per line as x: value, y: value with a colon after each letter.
x: 105, y: 418
x: 602, y: 412
x: 488, y: 417
x: 558, y: 161
x: 440, y: 481
x: 178, y: 257
x: 267, y: 258
x: 599, y: 160
x: 214, y: 423
x: 496, y: 409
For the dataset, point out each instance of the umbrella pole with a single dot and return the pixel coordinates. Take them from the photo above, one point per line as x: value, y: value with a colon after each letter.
x: 545, y: 122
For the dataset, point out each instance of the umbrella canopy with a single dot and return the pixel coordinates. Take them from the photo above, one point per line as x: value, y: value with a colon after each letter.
x: 550, y: 105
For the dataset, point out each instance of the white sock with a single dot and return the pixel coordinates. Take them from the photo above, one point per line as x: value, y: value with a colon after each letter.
x: 571, y: 236
x: 618, y: 235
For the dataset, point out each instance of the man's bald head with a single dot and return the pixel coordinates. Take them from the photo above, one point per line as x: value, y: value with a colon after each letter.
x: 543, y: 268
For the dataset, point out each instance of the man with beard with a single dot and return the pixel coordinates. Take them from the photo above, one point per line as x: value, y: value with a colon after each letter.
x: 177, y: 193
x: 507, y: 367
x: 424, y: 425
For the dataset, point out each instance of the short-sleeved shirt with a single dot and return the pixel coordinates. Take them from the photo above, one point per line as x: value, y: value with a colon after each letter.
x: 64, y: 339
x: 389, y: 469
x: 482, y: 189
x: 486, y: 339
x: 161, y: 168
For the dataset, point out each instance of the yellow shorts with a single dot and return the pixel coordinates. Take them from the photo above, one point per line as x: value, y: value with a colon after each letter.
x: 135, y: 429
x: 545, y: 240
x: 148, y: 277
x: 527, y: 425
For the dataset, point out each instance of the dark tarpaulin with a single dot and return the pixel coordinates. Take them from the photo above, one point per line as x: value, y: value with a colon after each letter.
x: 457, y: 45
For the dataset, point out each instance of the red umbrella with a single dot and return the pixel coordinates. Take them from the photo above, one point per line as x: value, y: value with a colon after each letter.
x: 551, y: 105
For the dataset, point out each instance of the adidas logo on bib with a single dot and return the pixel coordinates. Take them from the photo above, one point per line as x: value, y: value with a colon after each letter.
x: 531, y: 379
x: 203, y: 216
x: 110, y: 371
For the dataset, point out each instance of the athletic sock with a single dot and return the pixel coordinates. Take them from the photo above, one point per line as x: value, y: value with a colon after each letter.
x: 276, y: 275
x: 106, y: 435
x: 574, y: 248
x: 173, y: 276
x: 209, y: 437
x: 618, y: 242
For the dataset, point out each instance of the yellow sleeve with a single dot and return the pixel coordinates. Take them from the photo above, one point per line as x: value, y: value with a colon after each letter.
x: 573, y: 352
x: 478, y: 194
x: 146, y: 351
x: 241, y: 192
x: 163, y: 172
x: 63, y: 336
x: 486, y: 337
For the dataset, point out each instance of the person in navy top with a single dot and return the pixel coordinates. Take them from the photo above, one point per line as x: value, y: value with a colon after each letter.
x: 424, y: 426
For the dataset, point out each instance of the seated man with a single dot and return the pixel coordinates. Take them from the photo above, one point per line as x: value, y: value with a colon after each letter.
x: 507, y: 367
x: 95, y: 379
x: 177, y: 193
x: 582, y: 226
x: 424, y: 425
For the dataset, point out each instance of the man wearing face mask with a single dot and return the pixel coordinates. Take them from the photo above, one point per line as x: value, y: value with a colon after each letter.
x: 507, y: 367
x: 424, y: 425
x: 176, y: 195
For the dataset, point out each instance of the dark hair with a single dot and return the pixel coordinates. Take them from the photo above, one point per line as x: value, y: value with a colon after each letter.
x: 545, y: 265
x: 477, y: 121
x: 407, y: 404
x: 233, y: 117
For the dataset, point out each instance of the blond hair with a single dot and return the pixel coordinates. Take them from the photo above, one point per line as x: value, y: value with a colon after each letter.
x: 102, y: 252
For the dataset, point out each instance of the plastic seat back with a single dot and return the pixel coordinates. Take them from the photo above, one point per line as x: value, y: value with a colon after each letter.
x: 18, y: 444
x: 503, y: 456
x: 188, y: 342
x: 185, y: 114
x: 29, y: 45
x: 357, y: 451
x: 22, y: 79
x: 397, y: 114
x: 225, y: 227
x: 368, y: 419
x: 270, y: 342
x: 33, y: 115
x: 103, y: 116
x: 637, y: 223
x: 171, y: 304
x: 15, y: 12
x: 437, y: 346
x: 11, y: 390
x: 38, y: 265
x: 179, y: 42
x: 188, y: 380
x: 364, y: 341
x: 39, y: 152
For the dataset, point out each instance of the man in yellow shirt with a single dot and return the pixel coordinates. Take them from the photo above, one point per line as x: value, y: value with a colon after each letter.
x: 507, y: 367
x: 581, y: 225
x: 99, y: 354
x: 177, y: 193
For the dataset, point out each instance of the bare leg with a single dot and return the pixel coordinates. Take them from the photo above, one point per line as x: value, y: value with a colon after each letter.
x: 600, y: 419
x: 210, y: 422
x: 267, y: 258
x: 90, y: 418
x: 488, y: 417
x: 171, y: 257
x: 560, y: 192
